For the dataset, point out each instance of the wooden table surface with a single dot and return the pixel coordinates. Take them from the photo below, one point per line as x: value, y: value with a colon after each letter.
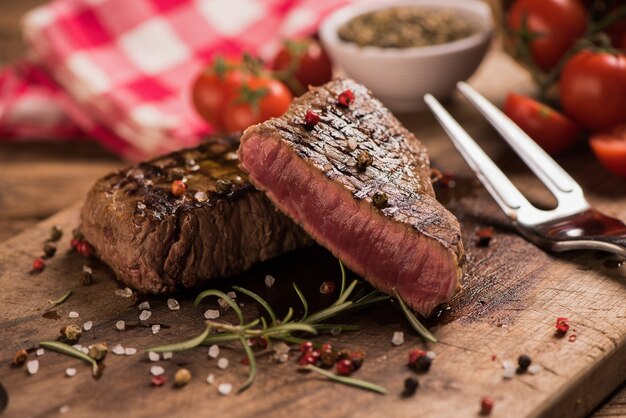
x: 39, y: 178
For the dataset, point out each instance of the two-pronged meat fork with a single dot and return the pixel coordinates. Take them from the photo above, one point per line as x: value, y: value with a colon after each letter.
x: 572, y: 225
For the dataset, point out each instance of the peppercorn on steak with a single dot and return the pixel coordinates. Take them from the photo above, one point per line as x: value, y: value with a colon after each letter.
x: 344, y: 168
x: 160, y: 233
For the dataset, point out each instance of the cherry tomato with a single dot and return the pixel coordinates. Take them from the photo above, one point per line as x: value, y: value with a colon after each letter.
x: 215, y: 86
x: 553, y: 131
x: 593, y: 89
x: 305, y: 61
x: 610, y: 149
x: 259, y: 99
x: 552, y: 26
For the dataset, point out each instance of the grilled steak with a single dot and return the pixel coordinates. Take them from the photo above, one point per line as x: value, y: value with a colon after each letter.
x: 359, y: 183
x: 156, y: 242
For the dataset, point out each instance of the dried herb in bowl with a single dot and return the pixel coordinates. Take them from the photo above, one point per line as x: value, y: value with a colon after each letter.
x: 406, y: 27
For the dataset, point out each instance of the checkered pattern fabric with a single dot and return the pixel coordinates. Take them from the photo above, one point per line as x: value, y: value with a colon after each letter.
x: 124, y: 67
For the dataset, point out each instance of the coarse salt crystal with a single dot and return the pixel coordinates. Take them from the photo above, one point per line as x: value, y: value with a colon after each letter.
x: 223, y: 304
x: 281, y: 357
x: 120, y: 325
x: 64, y: 409
x: 509, y: 369
x: 210, y: 379
x: 157, y: 370
x: 201, y: 197
x: 129, y: 351
x: 153, y: 356
x: 32, y: 366
x: 398, y: 338
x: 431, y: 355
x: 118, y: 349
x: 39, y: 352
x: 212, y: 314
x: 222, y: 363
x: 156, y: 328
x: 73, y: 315
x: 173, y: 304
x: 85, y: 350
x: 352, y: 144
x: 125, y: 292
x: 534, y: 368
x: 269, y: 281
x: 144, y: 315
x: 78, y: 346
x: 70, y: 372
x: 224, y: 388
x: 232, y: 295
x: 87, y: 269
x: 88, y: 325
x: 143, y: 306
x: 167, y: 355
x: 214, y: 351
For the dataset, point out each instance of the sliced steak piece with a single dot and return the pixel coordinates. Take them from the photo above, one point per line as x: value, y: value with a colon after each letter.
x: 156, y: 242
x: 359, y: 183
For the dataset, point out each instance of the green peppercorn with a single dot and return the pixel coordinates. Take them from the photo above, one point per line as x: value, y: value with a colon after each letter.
x: 56, y: 233
x: 71, y: 332
x: 380, y: 200
x: 98, y: 351
x: 182, y: 377
x: 223, y: 186
x: 364, y: 160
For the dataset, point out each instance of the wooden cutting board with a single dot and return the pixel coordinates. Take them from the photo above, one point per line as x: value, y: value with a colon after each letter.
x: 513, y: 293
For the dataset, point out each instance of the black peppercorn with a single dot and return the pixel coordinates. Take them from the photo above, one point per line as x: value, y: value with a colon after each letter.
x: 523, y: 362
x: 49, y: 249
x: 364, y: 160
x: 410, y: 386
x: 56, y: 233
x: 380, y: 200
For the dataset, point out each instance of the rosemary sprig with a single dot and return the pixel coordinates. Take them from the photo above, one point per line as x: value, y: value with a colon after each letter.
x: 251, y: 365
x: 415, y: 323
x: 183, y: 345
x: 61, y: 299
x: 259, y: 299
x: 350, y: 381
x: 68, y: 350
x: 305, y: 305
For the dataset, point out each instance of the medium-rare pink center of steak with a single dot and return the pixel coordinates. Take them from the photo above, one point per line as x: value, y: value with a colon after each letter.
x: 359, y: 183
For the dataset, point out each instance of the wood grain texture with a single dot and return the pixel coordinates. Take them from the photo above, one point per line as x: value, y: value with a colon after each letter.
x: 512, y: 294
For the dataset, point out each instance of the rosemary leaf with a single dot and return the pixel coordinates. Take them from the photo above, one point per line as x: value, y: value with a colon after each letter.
x: 343, y: 327
x: 415, y: 323
x: 263, y: 323
x: 183, y: 345
x: 219, y: 338
x: 327, y: 313
x: 61, y: 299
x: 288, y: 316
x: 345, y: 294
x: 221, y: 295
x: 303, y: 300
x: 287, y: 328
x: 350, y: 381
x: 260, y: 300
x: 343, y: 277
x: 68, y: 350
x: 251, y: 367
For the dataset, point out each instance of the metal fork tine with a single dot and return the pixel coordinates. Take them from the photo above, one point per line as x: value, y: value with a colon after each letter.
x: 546, y: 169
x: 499, y: 186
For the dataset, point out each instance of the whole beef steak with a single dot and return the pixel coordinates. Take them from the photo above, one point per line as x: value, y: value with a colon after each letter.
x: 359, y: 183
x: 156, y: 242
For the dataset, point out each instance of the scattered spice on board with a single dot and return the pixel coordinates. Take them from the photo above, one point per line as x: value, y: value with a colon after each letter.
x: 523, y: 362
x: 20, y: 357
x: 158, y: 380
x: 71, y: 332
x: 562, y: 326
x: 572, y: 338
x: 269, y: 280
x: 442, y: 178
x: 56, y: 233
x: 397, y: 338
x: 410, y: 387
x: 405, y: 27
x: 419, y: 361
x: 38, y: 265
x: 484, y: 236
x: 327, y: 288
x: 49, y: 250
x: 182, y: 377
x: 486, y: 405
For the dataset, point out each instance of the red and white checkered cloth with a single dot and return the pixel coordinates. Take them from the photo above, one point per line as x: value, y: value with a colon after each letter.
x: 120, y: 70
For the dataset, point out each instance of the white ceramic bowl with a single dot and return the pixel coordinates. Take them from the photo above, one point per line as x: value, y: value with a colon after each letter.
x: 401, y: 77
